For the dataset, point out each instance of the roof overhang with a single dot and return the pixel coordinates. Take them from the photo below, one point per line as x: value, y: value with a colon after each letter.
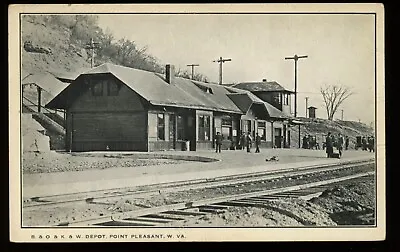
x: 296, y: 122
x: 176, y: 105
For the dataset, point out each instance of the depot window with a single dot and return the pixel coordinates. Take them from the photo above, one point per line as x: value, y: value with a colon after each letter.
x: 160, y: 127
x: 277, y: 98
x: 112, y: 88
x: 204, y: 127
x: 97, y: 89
x: 285, y: 99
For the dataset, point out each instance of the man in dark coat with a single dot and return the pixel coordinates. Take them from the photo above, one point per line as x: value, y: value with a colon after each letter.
x: 248, y: 142
x: 329, y: 145
x: 364, y: 143
x: 242, y: 141
x: 304, y: 142
x: 347, y: 143
x: 218, y: 142
x: 339, y: 145
x: 371, y: 143
x: 258, y: 142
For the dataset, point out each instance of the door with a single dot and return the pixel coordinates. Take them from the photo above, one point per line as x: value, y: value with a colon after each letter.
x: 278, y: 137
x: 191, y: 132
x: 172, y: 131
x: 284, y: 137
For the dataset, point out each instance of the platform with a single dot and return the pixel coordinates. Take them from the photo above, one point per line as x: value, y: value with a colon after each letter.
x: 231, y: 163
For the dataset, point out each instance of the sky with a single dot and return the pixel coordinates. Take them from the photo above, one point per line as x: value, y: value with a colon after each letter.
x: 340, y: 50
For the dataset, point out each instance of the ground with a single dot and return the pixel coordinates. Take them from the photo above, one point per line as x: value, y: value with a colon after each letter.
x: 352, y: 204
x: 47, y: 162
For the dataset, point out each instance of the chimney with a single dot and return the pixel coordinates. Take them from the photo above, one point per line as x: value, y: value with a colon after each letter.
x: 169, y: 73
x: 264, y: 80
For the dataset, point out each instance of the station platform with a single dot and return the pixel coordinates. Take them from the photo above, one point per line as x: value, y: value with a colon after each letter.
x: 232, y: 162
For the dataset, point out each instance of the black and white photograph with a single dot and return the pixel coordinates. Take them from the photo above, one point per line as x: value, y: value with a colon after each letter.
x: 196, y: 122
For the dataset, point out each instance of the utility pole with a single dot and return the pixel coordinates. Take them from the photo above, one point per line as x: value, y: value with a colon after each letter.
x: 193, y: 65
x: 306, y: 105
x: 342, y: 114
x: 220, y: 61
x: 91, y: 46
x: 295, y: 58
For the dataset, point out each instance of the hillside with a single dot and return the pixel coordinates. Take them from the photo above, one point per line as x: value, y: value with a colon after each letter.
x: 320, y: 127
x: 64, y: 56
x: 58, y: 44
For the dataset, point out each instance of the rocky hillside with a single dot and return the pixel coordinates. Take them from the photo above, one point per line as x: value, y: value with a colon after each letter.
x: 58, y: 54
x: 58, y: 43
x: 320, y: 127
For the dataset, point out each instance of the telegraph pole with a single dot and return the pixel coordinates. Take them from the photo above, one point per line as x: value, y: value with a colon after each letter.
x: 342, y: 114
x: 295, y: 58
x: 193, y: 65
x: 91, y: 46
x: 220, y: 61
x: 306, y: 105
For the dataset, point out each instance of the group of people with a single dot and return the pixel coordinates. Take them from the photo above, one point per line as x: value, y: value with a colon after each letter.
x: 338, y: 142
x: 368, y: 143
x: 246, y: 141
x: 310, y: 142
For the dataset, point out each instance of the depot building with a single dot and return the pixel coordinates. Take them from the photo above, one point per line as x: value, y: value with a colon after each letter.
x: 112, y: 107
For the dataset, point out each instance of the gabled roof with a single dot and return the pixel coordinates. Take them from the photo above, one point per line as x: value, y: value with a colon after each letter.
x: 153, y: 88
x: 69, y: 76
x: 213, y: 96
x: 275, y: 113
x: 244, y: 99
x: 46, y: 81
x: 262, y: 86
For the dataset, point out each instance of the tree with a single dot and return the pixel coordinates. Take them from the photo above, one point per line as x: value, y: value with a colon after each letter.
x: 334, y: 96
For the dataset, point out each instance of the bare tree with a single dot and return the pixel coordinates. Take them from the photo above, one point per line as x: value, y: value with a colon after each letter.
x: 334, y: 96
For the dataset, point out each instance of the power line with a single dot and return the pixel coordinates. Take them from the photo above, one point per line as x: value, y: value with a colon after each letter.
x: 91, y: 46
x: 295, y: 58
x: 306, y: 105
x: 221, y: 61
x: 193, y: 65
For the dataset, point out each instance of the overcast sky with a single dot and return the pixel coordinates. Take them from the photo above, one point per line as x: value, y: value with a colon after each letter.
x: 340, y: 50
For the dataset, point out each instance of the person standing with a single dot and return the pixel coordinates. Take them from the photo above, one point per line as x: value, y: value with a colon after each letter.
x: 242, y: 141
x: 305, y: 142
x: 248, y: 142
x: 347, y: 143
x: 218, y: 142
x: 258, y: 142
x: 364, y: 143
x: 371, y: 144
x: 329, y: 145
x: 340, y: 144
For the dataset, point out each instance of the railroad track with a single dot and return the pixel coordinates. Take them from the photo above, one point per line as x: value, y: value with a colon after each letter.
x: 155, y: 216
x: 160, y: 216
x: 146, y: 191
